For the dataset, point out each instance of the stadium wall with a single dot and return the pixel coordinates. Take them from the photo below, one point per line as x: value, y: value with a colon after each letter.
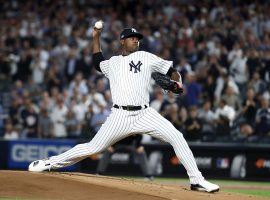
x: 215, y: 160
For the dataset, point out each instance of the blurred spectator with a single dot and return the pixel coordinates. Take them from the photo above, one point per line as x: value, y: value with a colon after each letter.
x: 214, y: 69
x: 235, y: 53
x: 183, y: 115
x: 46, y: 101
x: 231, y: 98
x: 24, y: 72
x: 193, y: 90
x: 108, y: 99
x: 85, y: 61
x: 183, y: 68
x: 265, y: 68
x: 58, y: 117
x: 173, y: 117
x: 39, y: 65
x: 45, y: 124
x: 80, y: 108
x: 100, y: 85
x: 18, y: 89
x: 193, y: 125
x: 72, y: 125
x: 87, y: 130
x: 34, y: 90
x: 169, y: 99
x: 257, y: 83
x: 72, y: 66
x: 249, y: 107
x: 253, y: 62
x: 157, y: 99
x: 53, y: 78
x: 10, y: 133
x: 99, y: 118
x: 224, y: 117
x: 54, y: 96
x: 263, y: 118
x: 79, y: 85
x: 246, y: 130
x: 4, y: 69
x: 244, y: 133
x: 208, y: 91
x: 221, y: 83
x: 207, y: 117
x: 96, y: 100
x: 14, y: 111
x: 29, y: 118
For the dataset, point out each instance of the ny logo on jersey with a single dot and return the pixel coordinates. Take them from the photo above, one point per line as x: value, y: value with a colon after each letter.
x: 136, y: 67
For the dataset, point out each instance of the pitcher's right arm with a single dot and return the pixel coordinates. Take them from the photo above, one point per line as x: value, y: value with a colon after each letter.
x: 97, y: 53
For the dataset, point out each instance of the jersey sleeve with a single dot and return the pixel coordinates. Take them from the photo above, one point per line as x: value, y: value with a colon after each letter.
x: 104, y: 66
x: 159, y: 65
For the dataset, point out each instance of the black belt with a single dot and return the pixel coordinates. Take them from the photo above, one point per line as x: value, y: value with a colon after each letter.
x: 130, y: 108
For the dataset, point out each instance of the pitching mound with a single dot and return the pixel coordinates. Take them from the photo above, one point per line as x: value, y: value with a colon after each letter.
x: 27, y: 185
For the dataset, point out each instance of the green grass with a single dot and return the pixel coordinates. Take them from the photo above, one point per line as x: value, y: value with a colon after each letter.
x: 225, y: 183
x: 263, y: 193
x: 246, y: 183
x: 220, y: 182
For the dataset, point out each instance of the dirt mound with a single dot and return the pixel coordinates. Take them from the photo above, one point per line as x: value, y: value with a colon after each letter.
x: 27, y: 185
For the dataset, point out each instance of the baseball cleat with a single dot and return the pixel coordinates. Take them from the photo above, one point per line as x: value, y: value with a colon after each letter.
x: 205, y: 186
x: 39, y: 166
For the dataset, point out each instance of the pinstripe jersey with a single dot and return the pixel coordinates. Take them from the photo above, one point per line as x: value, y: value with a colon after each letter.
x: 130, y: 76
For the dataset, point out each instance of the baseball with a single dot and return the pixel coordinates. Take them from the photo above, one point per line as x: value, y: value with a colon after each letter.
x: 99, y: 24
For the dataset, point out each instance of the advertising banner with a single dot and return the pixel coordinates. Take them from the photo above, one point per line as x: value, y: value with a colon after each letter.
x: 23, y: 152
x: 215, y: 160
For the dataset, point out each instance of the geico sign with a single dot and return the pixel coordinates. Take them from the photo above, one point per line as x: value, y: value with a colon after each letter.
x: 28, y: 153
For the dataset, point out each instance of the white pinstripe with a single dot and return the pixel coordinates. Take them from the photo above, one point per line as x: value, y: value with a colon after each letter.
x: 129, y: 88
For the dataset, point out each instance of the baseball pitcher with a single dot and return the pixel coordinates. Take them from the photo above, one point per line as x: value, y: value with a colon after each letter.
x: 129, y: 75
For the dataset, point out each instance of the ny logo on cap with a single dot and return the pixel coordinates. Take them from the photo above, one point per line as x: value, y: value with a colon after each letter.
x: 134, y: 30
x: 136, y: 67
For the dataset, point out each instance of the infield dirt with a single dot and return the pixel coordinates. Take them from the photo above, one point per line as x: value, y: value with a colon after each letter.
x: 67, y: 186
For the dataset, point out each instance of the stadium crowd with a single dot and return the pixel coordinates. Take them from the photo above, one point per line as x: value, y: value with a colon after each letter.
x: 49, y: 88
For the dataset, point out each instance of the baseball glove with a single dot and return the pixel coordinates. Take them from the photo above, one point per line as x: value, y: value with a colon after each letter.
x: 167, y: 84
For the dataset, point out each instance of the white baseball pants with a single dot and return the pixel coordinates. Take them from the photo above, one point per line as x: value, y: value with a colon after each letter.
x: 122, y: 123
